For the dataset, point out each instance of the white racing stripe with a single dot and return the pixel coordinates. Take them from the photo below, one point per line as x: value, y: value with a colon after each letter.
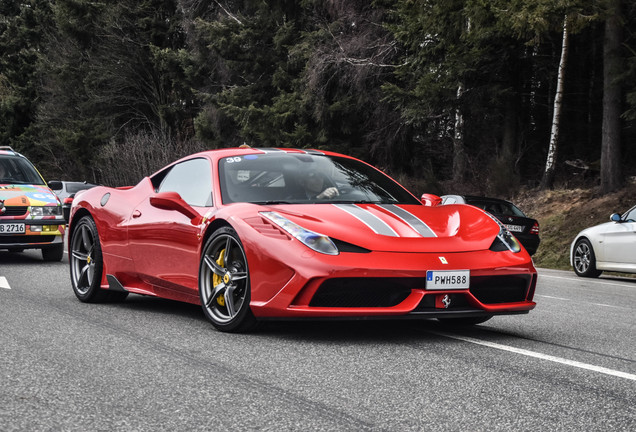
x: 411, y: 220
x: 4, y: 283
x: 540, y: 356
x: 376, y: 224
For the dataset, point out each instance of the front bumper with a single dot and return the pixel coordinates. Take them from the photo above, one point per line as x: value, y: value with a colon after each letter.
x: 382, y: 284
x: 38, y: 234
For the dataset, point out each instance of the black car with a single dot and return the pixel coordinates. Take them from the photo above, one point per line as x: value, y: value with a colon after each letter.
x: 524, y: 228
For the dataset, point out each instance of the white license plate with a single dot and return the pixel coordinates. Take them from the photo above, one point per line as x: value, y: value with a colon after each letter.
x: 447, y: 279
x: 12, y: 228
x: 515, y: 228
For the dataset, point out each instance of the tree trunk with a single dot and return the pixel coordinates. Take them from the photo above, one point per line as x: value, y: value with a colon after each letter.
x: 611, y: 139
x: 460, y: 160
x: 459, y: 154
x: 550, y: 164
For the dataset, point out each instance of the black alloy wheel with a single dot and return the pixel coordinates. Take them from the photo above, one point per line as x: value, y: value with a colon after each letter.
x: 87, y: 264
x: 224, y: 282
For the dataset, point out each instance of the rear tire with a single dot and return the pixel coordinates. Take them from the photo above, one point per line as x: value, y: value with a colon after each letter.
x: 53, y: 253
x: 87, y: 265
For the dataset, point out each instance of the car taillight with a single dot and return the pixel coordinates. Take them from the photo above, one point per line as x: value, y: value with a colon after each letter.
x: 535, y: 228
x: 68, y: 200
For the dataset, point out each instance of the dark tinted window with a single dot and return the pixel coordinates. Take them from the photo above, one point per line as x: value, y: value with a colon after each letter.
x: 76, y: 187
x: 192, y: 180
x: 284, y: 177
x: 498, y: 207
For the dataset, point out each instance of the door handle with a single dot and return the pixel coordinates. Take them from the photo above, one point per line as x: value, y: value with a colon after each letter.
x: 136, y: 214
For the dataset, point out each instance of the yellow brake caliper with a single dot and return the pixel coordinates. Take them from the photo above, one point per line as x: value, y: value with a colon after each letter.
x: 216, y: 279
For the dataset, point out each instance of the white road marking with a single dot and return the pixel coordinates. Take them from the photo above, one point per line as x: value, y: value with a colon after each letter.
x: 4, y: 283
x: 552, y: 297
x: 599, y: 281
x: 579, y: 301
x: 609, y: 306
x: 541, y: 356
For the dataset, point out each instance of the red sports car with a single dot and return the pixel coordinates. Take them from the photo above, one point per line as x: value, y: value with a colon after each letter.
x: 254, y: 234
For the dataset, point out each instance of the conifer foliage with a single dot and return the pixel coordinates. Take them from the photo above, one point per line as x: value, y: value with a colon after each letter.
x: 458, y: 93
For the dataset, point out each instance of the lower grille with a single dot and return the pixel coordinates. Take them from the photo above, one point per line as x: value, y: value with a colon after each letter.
x: 457, y: 301
x: 15, y: 211
x: 364, y: 292
x: 500, y: 289
x: 26, y: 239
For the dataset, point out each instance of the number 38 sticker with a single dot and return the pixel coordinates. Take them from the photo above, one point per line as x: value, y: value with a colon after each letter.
x: 232, y: 159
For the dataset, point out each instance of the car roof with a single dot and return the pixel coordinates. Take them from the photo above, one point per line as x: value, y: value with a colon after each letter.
x: 8, y: 151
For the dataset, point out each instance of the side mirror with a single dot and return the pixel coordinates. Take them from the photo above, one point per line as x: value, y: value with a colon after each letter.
x: 615, y: 217
x: 430, y: 200
x: 55, y: 184
x: 173, y: 201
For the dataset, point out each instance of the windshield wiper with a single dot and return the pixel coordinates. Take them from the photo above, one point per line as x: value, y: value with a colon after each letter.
x: 358, y: 202
x: 271, y: 202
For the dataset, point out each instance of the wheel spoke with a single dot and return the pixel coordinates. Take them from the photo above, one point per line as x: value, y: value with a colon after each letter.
x: 83, y: 275
x: 228, y: 246
x: 216, y: 269
x: 229, y: 301
x: 79, y: 255
x: 87, y: 239
x: 90, y: 273
x: 239, y: 276
x: 215, y: 293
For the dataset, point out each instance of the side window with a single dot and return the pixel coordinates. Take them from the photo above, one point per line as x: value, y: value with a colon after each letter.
x: 192, y: 180
x: 630, y: 216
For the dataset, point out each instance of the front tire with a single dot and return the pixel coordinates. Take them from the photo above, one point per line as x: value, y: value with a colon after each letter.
x: 53, y: 253
x: 87, y: 264
x: 584, y: 259
x: 224, y: 282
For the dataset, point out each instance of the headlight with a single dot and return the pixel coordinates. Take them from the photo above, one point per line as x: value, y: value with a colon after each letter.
x: 46, y: 211
x: 313, y: 240
x: 504, y: 240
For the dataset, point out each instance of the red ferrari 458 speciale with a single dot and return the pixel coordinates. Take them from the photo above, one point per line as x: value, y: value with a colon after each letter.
x: 253, y: 234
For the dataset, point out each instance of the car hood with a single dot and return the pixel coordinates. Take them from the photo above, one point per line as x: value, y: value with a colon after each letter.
x: 397, y: 228
x: 27, y: 195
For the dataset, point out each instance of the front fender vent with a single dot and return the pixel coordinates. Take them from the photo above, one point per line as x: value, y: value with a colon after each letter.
x: 265, y: 227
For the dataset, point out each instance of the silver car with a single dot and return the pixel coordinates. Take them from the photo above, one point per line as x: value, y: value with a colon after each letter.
x: 610, y: 246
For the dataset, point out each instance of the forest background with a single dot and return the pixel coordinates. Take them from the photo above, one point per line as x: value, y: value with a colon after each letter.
x: 479, y: 96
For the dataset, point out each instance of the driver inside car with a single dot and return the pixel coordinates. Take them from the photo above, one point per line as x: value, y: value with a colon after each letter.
x: 317, y: 187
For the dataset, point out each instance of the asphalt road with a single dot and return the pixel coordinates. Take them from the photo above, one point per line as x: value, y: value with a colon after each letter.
x: 149, y: 364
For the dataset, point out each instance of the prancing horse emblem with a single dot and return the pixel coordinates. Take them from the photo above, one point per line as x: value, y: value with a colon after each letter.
x: 447, y: 301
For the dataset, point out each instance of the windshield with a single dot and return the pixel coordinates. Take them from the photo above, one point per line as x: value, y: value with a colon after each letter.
x: 290, y: 178
x: 17, y: 170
